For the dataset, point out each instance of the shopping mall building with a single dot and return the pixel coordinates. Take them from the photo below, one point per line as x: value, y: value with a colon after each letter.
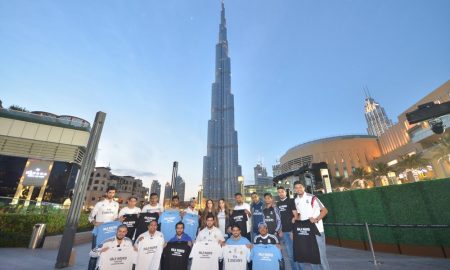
x: 343, y: 154
x: 40, y: 155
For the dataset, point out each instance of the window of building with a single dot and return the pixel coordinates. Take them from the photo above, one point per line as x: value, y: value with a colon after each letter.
x: 93, y: 199
x: 97, y: 175
x: 95, y: 188
x: 96, y: 182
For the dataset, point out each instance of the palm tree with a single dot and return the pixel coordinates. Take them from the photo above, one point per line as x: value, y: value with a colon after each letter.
x: 360, y: 173
x: 410, y: 162
x: 17, y: 108
x: 379, y: 170
x: 441, y: 152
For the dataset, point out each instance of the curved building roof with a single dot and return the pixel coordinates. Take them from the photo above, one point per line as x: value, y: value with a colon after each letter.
x: 329, y: 139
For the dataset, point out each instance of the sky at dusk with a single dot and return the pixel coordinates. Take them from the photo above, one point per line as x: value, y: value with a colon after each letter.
x: 298, y: 71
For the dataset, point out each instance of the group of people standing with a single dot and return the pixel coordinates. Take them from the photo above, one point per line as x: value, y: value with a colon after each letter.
x: 247, y: 236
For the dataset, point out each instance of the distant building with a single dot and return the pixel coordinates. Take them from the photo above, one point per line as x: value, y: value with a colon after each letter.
x: 276, y: 170
x: 167, y: 192
x: 260, y: 174
x: 260, y: 190
x: 377, y: 119
x: 156, y: 188
x: 259, y: 171
x: 180, y: 187
x: 102, y: 177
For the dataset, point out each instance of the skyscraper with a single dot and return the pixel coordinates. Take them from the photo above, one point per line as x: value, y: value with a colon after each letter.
x: 156, y: 187
x: 220, y: 165
x: 377, y: 119
x: 261, y: 177
x: 180, y: 187
x: 167, y: 192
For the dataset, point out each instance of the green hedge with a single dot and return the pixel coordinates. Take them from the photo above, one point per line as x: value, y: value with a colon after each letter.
x: 16, y: 228
x: 425, y: 202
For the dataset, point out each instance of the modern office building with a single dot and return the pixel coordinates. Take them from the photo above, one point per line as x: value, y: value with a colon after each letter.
x: 377, y: 120
x: 220, y: 165
x: 40, y: 155
x: 102, y: 177
x: 155, y: 188
x: 167, y: 192
x: 180, y: 187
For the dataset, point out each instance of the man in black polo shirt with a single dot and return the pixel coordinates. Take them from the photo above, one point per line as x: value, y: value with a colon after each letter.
x: 264, y: 237
x: 286, y: 205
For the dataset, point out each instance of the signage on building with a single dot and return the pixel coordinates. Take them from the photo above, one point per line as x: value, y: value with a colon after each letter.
x: 36, y: 172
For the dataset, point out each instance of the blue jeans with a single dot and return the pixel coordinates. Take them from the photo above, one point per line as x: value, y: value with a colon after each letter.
x: 287, y: 243
x: 323, y: 251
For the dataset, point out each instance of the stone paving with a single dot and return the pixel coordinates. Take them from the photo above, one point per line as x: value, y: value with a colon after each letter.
x: 339, y: 258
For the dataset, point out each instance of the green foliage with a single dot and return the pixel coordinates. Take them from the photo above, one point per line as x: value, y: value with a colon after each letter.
x: 16, y: 228
x: 425, y: 202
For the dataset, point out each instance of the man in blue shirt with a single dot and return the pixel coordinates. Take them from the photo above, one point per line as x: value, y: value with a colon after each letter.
x: 236, y: 237
x: 169, y: 219
x: 180, y: 236
x: 256, y: 207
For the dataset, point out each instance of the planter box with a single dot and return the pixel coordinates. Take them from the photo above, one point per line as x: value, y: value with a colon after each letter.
x: 53, y: 242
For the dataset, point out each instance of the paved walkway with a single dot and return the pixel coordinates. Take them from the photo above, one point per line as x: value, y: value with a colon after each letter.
x: 340, y: 259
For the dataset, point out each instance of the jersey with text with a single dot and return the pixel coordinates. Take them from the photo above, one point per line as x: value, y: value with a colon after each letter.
x: 239, y: 218
x: 266, y: 257
x: 143, y: 221
x: 176, y: 256
x: 235, y: 257
x: 117, y: 258
x: 206, y: 255
x: 190, y: 222
x: 168, y: 220
x: 130, y: 220
x: 306, y: 249
x: 149, y: 250
x: 105, y: 231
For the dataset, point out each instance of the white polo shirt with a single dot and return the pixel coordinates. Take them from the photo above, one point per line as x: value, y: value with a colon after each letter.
x: 152, y: 209
x: 104, y: 211
x: 129, y: 211
x: 307, y: 207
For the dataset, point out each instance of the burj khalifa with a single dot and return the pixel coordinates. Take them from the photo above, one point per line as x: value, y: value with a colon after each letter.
x: 220, y: 165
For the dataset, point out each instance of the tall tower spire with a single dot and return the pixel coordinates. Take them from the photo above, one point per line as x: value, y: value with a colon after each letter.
x: 220, y: 165
x: 377, y: 120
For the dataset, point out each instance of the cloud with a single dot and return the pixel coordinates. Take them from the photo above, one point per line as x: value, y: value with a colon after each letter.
x: 132, y: 172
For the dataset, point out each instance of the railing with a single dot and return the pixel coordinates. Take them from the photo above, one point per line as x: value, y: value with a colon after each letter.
x: 62, y: 120
x: 26, y: 207
x: 369, y: 238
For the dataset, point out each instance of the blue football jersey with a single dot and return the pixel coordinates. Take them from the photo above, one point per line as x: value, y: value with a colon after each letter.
x: 190, y: 222
x: 168, y: 220
x: 266, y: 257
x: 105, y: 231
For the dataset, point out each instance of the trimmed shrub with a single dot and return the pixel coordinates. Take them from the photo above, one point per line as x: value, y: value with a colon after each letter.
x: 425, y: 202
x: 16, y: 228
